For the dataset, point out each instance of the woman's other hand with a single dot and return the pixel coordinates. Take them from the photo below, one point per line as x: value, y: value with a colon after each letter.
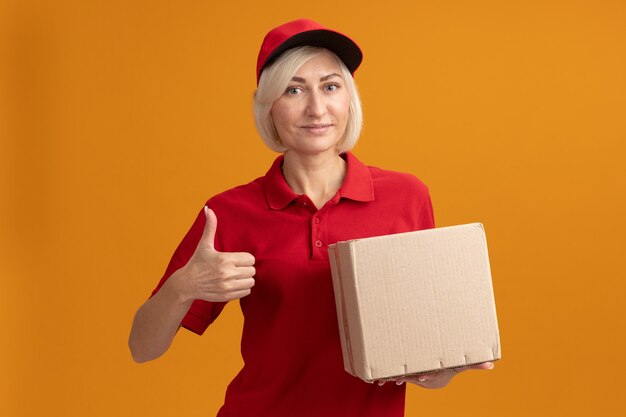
x: 438, y: 379
x: 211, y: 275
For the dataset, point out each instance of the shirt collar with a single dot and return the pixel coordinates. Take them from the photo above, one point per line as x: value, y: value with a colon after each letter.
x: 356, y: 186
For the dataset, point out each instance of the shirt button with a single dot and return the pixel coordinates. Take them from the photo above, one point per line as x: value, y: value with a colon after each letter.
x: 318, y: 243
x: 316, y: 220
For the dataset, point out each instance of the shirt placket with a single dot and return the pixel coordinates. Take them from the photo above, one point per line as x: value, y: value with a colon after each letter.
x: 319, y: 236
x: 318, y: 224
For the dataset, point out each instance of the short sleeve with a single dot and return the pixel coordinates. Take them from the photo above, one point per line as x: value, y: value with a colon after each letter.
x: 426, y: 214
x: 201, y: 313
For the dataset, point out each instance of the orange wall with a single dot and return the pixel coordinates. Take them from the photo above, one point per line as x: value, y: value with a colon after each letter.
x: 118, y: 119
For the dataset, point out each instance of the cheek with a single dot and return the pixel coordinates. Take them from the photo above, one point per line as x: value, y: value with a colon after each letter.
x: 342, y: 105
x: 280, y: 116
x: 279, y: 123
x: 342, y: 109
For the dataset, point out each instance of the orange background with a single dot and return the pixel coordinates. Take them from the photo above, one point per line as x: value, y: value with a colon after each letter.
x: 118, y: 120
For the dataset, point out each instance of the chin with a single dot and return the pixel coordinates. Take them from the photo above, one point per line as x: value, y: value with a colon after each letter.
x: 314, y: 150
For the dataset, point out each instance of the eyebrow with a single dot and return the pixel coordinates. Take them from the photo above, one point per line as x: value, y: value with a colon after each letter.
x: 324, y: 78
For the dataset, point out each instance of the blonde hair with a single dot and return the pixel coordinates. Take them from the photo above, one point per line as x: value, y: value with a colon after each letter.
x: 276, y: 78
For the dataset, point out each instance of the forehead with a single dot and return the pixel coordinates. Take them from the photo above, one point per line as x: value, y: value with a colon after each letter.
x: 321, y: 64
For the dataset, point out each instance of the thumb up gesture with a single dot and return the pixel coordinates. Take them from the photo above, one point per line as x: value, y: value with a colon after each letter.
x: 215, y: 276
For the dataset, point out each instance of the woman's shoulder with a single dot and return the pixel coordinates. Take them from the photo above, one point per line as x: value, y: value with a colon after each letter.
x: 385, y: 179
x: 240, y: 196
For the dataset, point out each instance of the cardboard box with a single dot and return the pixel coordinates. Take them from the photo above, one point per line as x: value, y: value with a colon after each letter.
x: 415, y: 302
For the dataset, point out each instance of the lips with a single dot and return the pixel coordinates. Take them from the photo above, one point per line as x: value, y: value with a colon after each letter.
x: 317, y: 128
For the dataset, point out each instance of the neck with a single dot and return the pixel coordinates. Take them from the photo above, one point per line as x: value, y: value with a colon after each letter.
x: 317, y: 176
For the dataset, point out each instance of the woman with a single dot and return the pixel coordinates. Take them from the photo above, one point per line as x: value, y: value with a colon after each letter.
x: 270, y: 250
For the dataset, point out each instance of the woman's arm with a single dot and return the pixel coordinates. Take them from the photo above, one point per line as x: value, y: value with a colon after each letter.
x: 157, y: 321
x: 209, y: 275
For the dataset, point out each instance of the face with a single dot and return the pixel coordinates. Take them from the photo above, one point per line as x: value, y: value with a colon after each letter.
x: 311, y: 115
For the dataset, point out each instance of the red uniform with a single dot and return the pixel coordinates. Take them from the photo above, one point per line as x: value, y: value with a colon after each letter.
x: 290, y: 343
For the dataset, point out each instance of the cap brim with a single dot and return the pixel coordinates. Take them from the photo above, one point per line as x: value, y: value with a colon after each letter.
x: 341, y: 45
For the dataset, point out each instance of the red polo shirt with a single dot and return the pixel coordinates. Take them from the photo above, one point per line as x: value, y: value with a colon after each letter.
x: 290, y: 342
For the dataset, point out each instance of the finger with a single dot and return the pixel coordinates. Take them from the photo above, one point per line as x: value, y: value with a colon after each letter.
x: 231, y: 285
x: 483, y: 365
x: 239, y: 258
x: 242, y: 284
x: 427, y: 377
x: 221, y: 297
x: 239, y: 294
x: 241, y: 272
x: 415, y: 379
x: 210, y: 227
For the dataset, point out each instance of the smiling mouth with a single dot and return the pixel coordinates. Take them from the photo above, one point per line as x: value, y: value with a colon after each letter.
x: 317, y: 128
x: 317, y: 125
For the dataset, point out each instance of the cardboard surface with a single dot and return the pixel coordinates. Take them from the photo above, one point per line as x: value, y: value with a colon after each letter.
x: 415, y: 302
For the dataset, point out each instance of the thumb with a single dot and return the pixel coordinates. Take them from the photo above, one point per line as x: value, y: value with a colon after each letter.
x: 210, y: 226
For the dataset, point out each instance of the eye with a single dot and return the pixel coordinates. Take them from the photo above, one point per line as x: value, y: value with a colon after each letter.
x: 331, y: 87
x: 292, y: 91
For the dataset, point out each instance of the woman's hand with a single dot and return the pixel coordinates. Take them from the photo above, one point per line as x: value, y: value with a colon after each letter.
x: 438, y: 379
x: 211, y: 275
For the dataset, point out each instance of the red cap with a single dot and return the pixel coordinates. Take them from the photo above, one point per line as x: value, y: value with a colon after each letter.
x: 304, y: 32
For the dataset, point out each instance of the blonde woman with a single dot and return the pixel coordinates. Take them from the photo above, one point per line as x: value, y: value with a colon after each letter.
x: 270, y: 247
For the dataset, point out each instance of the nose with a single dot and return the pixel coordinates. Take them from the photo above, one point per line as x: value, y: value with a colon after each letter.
x: 315, y: 104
